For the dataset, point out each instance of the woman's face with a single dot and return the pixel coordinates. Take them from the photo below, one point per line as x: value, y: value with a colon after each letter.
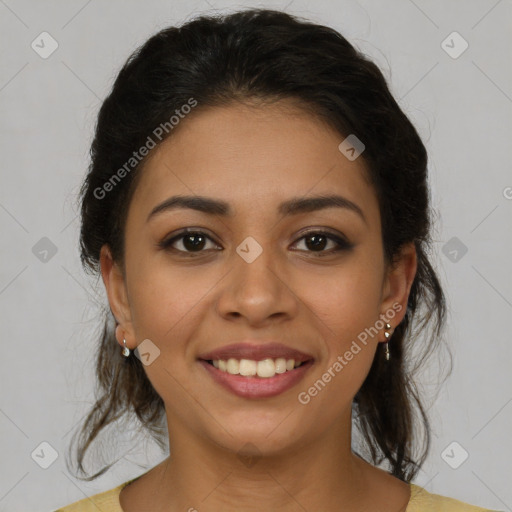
x: 257, y: 274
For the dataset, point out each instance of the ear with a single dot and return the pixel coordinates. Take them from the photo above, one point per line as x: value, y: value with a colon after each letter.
x: 115, y: 285
x: 397, y: 284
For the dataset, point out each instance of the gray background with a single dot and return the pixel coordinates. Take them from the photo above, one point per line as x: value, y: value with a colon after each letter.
x: 461, y: 106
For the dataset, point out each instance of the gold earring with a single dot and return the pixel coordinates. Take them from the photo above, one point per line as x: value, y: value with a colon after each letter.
x: 387, y: 335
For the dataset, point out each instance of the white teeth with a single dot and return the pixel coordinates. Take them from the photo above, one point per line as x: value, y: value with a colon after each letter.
x: 280, y: 365
x: 232, y: 366
x: 266, y: 368
x: 249, y: 368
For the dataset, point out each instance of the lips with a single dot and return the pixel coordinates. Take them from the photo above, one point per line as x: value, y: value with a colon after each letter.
x: 249, y: 353
x: 256, y: 352
x: 256, y: 387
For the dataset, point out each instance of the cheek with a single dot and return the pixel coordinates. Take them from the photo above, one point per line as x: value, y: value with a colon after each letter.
x: 166, y: 307
x: 165, y: 300
x: 348, y: 306
x: 348, y: 300
x: 348, y: 309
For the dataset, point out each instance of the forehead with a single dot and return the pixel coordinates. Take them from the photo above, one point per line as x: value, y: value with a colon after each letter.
x: 249, y: 155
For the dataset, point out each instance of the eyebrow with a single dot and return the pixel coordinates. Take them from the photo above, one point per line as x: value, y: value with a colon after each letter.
x: 292, y: 206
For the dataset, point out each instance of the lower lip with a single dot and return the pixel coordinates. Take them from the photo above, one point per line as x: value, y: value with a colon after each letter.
x: 258, y: 387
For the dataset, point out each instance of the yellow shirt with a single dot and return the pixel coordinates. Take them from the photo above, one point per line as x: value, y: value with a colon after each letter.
x: 421, y: 501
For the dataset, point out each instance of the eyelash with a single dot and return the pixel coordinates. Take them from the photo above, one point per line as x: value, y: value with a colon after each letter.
x: 341, y: 243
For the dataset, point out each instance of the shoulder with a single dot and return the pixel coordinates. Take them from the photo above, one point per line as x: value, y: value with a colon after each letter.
x: 423, y: 501
x: 107, y: 501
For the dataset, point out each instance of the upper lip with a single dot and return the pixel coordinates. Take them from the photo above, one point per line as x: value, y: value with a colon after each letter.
x: 256, y: 352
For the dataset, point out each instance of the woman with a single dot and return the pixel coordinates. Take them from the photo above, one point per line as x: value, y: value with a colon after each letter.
x: 257, y: 205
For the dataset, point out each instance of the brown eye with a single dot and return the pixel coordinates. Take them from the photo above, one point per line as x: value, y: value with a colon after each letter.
x: 317, y: 241
x: 187, y: 242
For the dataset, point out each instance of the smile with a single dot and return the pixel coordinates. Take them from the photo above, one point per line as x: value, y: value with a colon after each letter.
x: 249, y: 367
x: 244, y: 379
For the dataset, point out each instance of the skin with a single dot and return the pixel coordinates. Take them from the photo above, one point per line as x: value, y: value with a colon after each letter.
x: 255, y: 157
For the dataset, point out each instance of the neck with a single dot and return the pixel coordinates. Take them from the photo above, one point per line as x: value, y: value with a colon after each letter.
x: 318, y: 475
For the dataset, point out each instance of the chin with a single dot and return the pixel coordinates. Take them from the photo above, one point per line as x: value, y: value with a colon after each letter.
x: 260, y: 435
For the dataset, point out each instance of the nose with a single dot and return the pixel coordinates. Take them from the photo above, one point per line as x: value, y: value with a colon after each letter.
x: 257, y: 290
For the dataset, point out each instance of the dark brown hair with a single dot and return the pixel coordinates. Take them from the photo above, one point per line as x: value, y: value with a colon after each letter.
x: 259, y: 54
